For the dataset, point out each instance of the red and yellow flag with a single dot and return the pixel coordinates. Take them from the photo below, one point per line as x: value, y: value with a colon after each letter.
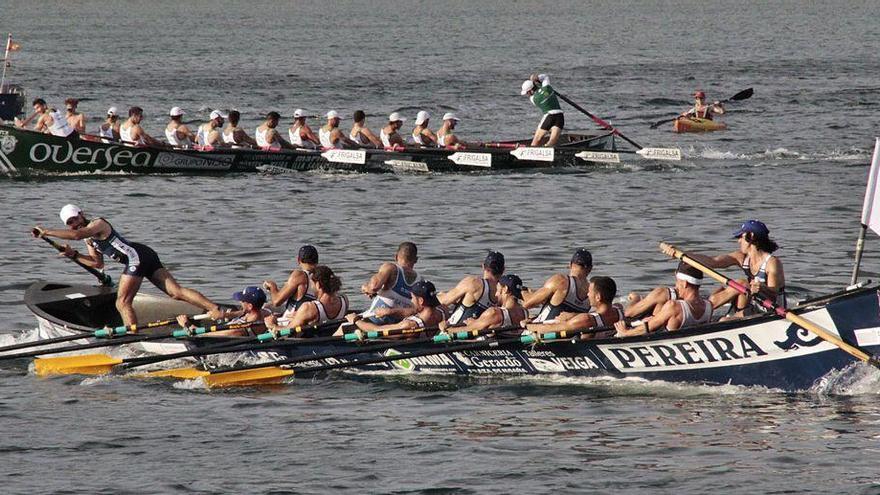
x: 11, y: 46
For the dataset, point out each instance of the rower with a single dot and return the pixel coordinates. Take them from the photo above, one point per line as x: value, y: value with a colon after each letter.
x: 428, y: 312
x: 389, y: 135
x: 267, y: 136
x: 421, y: 135
x: 49, y: 120
x: 390, y: 287
x: 446, y: 138
x: 563, y: 293
x: 252, y: 301
x: 508, y: 312
x: 331, y: 136
x: 301, y: 135
x: 542, y: 95
x: 763, y: 270
x: 110, y: 128
x: 702, y: 110
x: 474, y: 295
x: 360, y: 134
x: 299, y: 287
x: 604, y: 314
x: 75, y: 119
x: 327, y: 306
x: 235, y: 136
x: 210, y: 134
x: 177, y: 133
x: 131, y: 131
x: 140, y: 261
x: 689, y: 309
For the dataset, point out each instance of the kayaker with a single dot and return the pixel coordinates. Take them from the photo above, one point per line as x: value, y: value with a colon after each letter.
x: 110, y: 128
x: 762, y: 269
x: 210, y: 133
x: 328, y: 304
x: 542, y: 95
x: 508, y: 311
x: 235, y: 136
x: 360, y: 134
x: 688, y: 309
x: 140, y: 261
x: 423, y: 299
x: 389, y: 134
x: 702, y: 110
x: 563, y: 292
x: 300, y: 134
x: 132, y: 132
x: 299, y: 287
x: 390, y: 288
x: 446, y: 138
x: 177, y: 133
x: 331, y: 136
x: 421, y: 135
x: 252, y: 302
x: 75, y: 119
x: 267, y: 136
x: 601, y: 293
x: 475, y: 294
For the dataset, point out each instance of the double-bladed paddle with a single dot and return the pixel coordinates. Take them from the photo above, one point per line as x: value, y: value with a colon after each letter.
x: 742, y: 95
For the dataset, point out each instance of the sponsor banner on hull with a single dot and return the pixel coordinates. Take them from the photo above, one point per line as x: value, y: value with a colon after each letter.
x: 189, y: 162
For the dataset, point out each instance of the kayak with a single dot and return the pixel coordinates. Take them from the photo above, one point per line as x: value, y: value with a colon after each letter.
x: 687, y: 124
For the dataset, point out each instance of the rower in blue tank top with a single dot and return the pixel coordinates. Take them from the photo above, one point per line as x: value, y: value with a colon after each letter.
x: 563, y: 293
x: 391, y: 287
x: 140, y: 261
x: 474, y: 295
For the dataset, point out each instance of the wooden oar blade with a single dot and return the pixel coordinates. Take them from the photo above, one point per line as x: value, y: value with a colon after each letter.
x: 258, y: 376
x: 89, y: 364
x: 181, y: 373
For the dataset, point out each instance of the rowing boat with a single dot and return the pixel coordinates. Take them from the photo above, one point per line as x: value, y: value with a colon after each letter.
x: 30, y: 152
x: 761, y: 350
x: 694, y: 124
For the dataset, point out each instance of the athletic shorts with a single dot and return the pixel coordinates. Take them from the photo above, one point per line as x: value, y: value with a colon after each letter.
x: 146, y: 264
x: 552, y: 120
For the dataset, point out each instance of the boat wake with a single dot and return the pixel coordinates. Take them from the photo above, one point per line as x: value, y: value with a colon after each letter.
x: 856, y: 379
x: 838, y: 155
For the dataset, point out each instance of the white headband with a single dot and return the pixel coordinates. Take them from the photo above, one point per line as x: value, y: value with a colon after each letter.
x: 687, y: 278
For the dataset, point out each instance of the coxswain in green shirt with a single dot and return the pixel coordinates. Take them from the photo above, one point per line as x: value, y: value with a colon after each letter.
x: 539, y: 91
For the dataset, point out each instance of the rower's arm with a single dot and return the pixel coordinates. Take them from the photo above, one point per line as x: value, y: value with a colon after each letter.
x: 304, y: 315
x: 310, y: 135
x: 372, y: 137
x: 295, y: 281
x: 775, y: 279
x: 490, y: 318
x: 25, y: 122
x: 380, y: 280
x: 401, y: 312
x: 543, y: 294
x: 242, y: 137
x: 94, y: 228
x: 722, y: 261
x: 457, y: 293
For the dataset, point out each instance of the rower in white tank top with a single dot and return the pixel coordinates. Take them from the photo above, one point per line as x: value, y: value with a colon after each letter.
x: 59, y: 126
x: 359, y: 138
x: 202, y: 135
x: 323, y: 317
x: 296, y: 138
x: 384, y: 137
x: 173, y: 140
x: 229, y: 138
x: 324, y: 137
x: 689, y: 319
x: 106, y: 132
x: 261, y: 139
x: 125, y: 135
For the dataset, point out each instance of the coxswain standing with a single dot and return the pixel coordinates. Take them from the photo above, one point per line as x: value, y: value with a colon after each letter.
x: 235, y: 136
x: 389, y: 134
x: 209, y: 134
x: 131, y: 131
x: 298, y: 288
x: 446, y: 138
x: 140, y: 261
x: 331, y: 136
x: 360, y: 134
x: 473, y: 295
x: 564, y: 293
x: 300, y: 134
x: 267, y: 136
x: 110, y: 128
x: 702, y: 110
x: 390, y: 287
x: 421, y: 135
x: 75, y: 119
x: 177, y: 133
x: 542, y: 95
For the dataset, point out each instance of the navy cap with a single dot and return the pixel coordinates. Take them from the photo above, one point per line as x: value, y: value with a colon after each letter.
x: 754, y: 226
x: 582, y: 257
x: 494, y: 262
x: 513, y: 283
x: 252, y: 294
x: 426, y: 289
x: 308, y: 254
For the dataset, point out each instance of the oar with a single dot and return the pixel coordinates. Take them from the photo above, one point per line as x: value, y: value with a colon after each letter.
x: 766, y: 302
x: 742, y: 95
x: 101, y: 276
x: 597, y: 120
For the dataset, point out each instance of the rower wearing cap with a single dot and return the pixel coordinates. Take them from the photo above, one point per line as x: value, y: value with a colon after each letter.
x: 328, y: 304
x: 446, y: 138
x: 252, y: 302
x: 140, y: 261
x: 110, y: 128
x: 209, y: 133
x: 75, y: 119
x: 762, y: 269
x: 234, y: 135
x: 687, y: 310
x: 703, y: 110
x: 564, y: 293
x: 177, y: 133
x: 473, y: 295
x: 421, y: 135
x: 604, y: 313
x: 301, y: 135
x: 360, y: 134
x: 267, y: 136
x: 428, y: 312
x: 390, y: 287
x: 331, y: 136
x: 131, y: 131
x: 299, y: 287
x: 509, y: 312
x: 389, y: 134
x: 542, y: 95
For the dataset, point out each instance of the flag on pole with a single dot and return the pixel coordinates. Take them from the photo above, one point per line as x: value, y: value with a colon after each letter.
x: 871, y: 208
x: 14, y: 47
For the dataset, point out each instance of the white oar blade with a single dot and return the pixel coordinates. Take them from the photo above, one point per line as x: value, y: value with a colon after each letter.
x: 357, y: 157
x: 472, y: 159
x: 668, y: 154
x: 534, y: 154
x: 599, y: 156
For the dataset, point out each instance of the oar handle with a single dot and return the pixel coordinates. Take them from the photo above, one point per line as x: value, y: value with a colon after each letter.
x: 299, y: 330
x: 101, y: 276
x: 182, y: 334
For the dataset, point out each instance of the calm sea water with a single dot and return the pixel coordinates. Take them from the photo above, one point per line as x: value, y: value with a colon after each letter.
x: 795, y: 156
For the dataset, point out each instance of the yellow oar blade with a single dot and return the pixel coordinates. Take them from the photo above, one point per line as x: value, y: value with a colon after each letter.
x: 88, y: 364
x: 258, y: 376
x: 182, y: 373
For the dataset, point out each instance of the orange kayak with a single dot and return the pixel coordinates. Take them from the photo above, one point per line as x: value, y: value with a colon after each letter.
x: 689, y: 124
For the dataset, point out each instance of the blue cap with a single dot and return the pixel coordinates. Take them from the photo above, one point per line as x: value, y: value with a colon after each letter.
x: 252, y: 294
x: 426, y: 289
x: 582, y: 257
x: 308, y: 254
x: 754, y: 226
x: 494, y: 262
x: 513, y: 283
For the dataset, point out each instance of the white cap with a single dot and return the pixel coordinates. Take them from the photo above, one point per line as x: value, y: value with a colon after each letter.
x: 299, y: 112
x: 421, y: 117
x: 112, y: 111
x: 217, y: 114
x: 68, y: 212
x: 395, y: 117
x: 332, y: 115
x: 176, y: 112
x: 527, y: 86
x: 450, y: 116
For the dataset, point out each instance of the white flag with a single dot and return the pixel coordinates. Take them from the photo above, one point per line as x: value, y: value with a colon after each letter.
x: 871, y: 208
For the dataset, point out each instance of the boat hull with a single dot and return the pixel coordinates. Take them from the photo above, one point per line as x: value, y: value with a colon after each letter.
x: 683, y: 124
